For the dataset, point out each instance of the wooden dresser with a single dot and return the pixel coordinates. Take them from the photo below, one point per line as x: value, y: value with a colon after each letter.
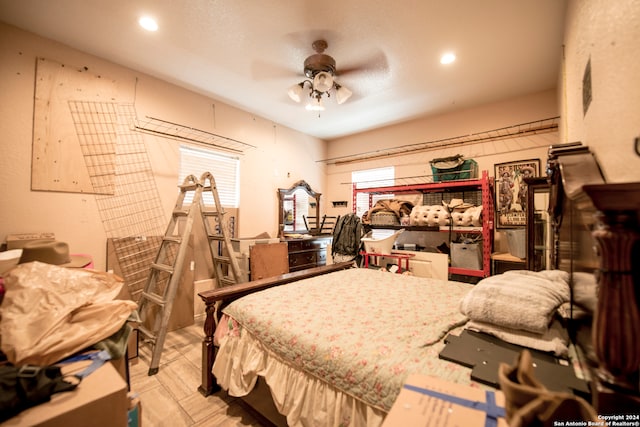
x: 307, y: 253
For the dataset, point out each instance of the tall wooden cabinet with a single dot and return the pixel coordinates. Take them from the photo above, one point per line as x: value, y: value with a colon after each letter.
x: 483, y: 185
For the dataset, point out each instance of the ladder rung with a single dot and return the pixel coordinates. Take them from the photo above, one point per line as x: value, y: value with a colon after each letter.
x: 228, y: 281
x: 180, y: 213
x: 222, y: 259
x: 153, y: 298
x: 188, y: 187
x: 163, y: 267
x: 218, y: 237
x: 210, y: 212
x: 173, y: 239
x: 147, y: 333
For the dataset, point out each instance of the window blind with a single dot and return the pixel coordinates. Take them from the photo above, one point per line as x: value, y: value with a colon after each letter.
x: 224, y: 168
x: 367, y: 178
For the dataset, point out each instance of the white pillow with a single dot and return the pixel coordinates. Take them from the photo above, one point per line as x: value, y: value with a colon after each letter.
x: 518, y: 299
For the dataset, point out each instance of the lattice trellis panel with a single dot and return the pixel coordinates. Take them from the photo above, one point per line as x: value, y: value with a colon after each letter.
x: 131, y: 212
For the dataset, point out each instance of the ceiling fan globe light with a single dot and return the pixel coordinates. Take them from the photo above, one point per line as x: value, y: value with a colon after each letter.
x: 342, y: 94
x: 295, y: 91
x: 322, y: 81
x: 315, y: 104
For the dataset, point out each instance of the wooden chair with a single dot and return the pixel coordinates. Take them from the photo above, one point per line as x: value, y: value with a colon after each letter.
x: 328, y: 223
x: 324, y: 227
x: 310, y: 223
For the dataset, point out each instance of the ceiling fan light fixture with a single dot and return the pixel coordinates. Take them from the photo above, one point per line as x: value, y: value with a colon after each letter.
x: 322, y: 81
x: 295, y: 91
x: 315, y: 104
x: 320, y: 70
x: 342, y: 94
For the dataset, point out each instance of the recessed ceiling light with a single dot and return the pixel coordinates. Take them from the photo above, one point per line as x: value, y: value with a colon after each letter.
x: 448, y: 58
x: 148, y: 23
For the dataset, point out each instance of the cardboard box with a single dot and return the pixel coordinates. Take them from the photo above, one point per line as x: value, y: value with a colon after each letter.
x: 99, y: 400
x: 121, y: 366
x: 242, y: 249
x: 425, y: 264
x: 17, y: 241
x: 132, y: 346
x: 243, y: 245
x: 426, y: 400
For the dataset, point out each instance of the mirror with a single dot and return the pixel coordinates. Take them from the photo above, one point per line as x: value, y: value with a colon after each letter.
x: 299, y: 208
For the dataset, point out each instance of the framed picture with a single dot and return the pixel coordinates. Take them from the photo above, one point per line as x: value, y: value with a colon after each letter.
x: 511, y: 192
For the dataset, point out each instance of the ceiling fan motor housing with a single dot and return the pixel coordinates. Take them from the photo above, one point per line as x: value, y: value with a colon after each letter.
x: 317, y: 63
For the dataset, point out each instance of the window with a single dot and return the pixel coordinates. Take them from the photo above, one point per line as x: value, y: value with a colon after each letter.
x: 368, y: 178
x: 224, y: 168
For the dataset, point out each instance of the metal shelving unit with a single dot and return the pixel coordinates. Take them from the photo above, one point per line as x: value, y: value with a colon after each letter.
x: 484, y: 184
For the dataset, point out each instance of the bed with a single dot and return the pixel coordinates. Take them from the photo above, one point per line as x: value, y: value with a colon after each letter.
x: 335, y: 344
x: 344, y: 339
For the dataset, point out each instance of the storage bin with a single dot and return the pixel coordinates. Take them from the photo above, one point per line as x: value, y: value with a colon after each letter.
x: 452, y: 168
x: 516, y: 240
x: 466, y: 255
x: 380, y: 245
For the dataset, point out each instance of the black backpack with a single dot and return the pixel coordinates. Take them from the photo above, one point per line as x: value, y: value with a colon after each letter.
x: 22, y: 387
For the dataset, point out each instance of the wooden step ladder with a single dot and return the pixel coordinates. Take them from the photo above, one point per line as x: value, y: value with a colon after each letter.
x: 225, y: 264
x: 156, y: 300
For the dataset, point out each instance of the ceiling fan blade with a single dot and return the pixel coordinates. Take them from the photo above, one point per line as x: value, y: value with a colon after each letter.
x: 304, y: 39
x: 375, y: 63
x: 264, y: 70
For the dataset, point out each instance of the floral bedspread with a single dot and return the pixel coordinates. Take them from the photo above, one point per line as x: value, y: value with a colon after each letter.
x: 361, y: 330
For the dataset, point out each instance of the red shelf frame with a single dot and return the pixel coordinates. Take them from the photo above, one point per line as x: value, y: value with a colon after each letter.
x: 399, y: 257
x: 484, y: 184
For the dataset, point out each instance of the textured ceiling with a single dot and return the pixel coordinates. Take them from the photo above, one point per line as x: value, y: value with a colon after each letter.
x: 248, y: 53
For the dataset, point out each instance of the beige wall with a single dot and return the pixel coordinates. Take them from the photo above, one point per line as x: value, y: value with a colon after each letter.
x: 520, y: 110
x: 281, y: 157
x: 608, y: 34
x: 535, y: 107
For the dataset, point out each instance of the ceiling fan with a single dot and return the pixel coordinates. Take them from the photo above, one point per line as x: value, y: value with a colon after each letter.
x: 320, y: 70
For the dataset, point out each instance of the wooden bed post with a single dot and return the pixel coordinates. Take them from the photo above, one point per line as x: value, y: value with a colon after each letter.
x: 209, y: 350
x: 615, y: 330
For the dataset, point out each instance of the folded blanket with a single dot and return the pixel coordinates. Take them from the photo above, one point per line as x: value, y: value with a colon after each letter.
x: 518, y: 299
x: 554, y: 340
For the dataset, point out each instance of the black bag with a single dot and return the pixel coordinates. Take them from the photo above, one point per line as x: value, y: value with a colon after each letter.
x: 346, y: 235
x: 22, y: 387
